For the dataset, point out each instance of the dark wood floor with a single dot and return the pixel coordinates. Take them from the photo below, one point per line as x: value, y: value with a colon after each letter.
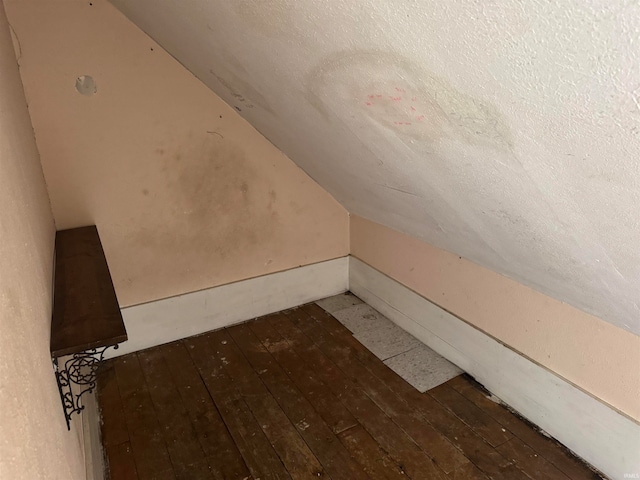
x: 294, y: 395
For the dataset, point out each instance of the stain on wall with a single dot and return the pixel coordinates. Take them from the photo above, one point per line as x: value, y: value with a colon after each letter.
x: 219, y: 205
x: 185, y: 193
x: 404, y: 97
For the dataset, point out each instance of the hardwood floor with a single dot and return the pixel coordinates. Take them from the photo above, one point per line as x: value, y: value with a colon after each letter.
x: 294, y: 395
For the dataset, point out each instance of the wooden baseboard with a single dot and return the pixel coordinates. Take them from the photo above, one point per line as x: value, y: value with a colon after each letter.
x: 170, y: 319
x: 593, y: 430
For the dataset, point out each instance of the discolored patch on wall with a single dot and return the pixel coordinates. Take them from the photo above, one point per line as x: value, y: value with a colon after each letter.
x: 219, y: 204
x: 399, y: 95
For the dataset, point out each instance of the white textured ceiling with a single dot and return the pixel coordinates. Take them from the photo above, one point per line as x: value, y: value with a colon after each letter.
x: 505, y: 131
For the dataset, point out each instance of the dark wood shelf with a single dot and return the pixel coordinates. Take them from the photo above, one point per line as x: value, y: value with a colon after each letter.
x: 86, y: 314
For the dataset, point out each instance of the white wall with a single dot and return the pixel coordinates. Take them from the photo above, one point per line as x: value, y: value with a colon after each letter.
x: 34, y: 441
x: 506, y: 131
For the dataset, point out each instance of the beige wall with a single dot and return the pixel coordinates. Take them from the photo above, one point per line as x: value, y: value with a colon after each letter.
x: 185, y: 193
x: 34, y: 442
x: 601, y: 359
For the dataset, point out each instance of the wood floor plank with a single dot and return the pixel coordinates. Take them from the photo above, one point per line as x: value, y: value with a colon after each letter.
x: 467, y: 471
x: 296, y: 456
x: 114, y: 432
x: 411, y: 459
x: 194, y: 471
x: 435, y: 444
x: 438, y: 447
x: 335, y: 459
x: 164, y: 475
x: 120, y: 461
x: 295, y: 396
x: 484, y: 425
x: 306, y: 379
x: 480, y: 453
x: 550, y: 449
x: 529, y: 461
x: 223, y: 455
x: 254, y: 445
x: 147, y: 443
x: 375, y: 461
x: 258, y: 453
x: 185, y: 452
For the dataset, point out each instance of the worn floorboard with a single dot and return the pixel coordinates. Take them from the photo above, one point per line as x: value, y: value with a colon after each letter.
x: 295, y: 396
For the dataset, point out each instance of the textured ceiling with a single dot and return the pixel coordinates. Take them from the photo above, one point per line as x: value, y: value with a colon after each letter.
x: 505, y: 131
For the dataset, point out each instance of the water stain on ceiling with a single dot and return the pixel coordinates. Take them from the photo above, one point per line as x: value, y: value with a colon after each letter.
x: 404, y: 97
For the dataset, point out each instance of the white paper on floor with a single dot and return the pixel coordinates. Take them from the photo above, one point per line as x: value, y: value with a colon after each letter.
x: 361, y: 318
x: 387, y: 341
x: 404, y: 354
x: 423, y: 368
x: 338, y: 302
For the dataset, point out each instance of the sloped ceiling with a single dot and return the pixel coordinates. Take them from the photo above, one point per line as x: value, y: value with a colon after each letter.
x: 505, y: 131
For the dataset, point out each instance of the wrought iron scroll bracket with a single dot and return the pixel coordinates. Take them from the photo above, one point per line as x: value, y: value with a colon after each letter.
x: 77, y: 376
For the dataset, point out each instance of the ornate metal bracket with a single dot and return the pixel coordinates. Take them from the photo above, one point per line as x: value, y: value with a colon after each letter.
x: 77, y: 378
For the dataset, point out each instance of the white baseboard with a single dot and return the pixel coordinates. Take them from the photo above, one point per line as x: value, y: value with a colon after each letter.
x: 93, y: 453
x: 170, y: 319
x: 594, y: 431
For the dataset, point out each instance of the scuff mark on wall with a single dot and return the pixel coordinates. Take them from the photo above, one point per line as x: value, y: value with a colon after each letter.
x: 406, y: 98
x: 398, y: 189
x: 242, y: 92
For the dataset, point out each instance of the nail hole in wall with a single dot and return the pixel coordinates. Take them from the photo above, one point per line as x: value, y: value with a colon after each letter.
x: 86, y: 85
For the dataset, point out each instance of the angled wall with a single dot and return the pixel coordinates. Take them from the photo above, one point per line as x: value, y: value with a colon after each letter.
x: 185, y: 193
x: 506, y: 132
x: 34, y: 442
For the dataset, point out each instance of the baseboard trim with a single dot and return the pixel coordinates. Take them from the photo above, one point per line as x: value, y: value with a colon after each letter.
x: 93, y: 451
x: 170, y: 319
x: 594, y: 431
